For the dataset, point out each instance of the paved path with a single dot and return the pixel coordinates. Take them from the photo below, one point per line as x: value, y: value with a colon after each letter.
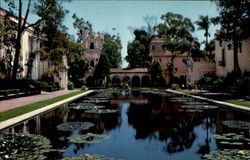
x: 17, y: 102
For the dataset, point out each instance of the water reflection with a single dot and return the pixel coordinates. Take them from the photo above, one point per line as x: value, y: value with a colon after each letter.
x: 143, y: 121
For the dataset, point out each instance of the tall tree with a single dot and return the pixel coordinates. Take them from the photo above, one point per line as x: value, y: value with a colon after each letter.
x: 112, y: 49
x: 7, y: 37
x: 41, y: 6
x: 77, y: 63
x: 83, y: 27
x: 102, y: 69
x: 138, y: 50
x: 156, y: 71
x: 235, y: 21
x: 20, y: 28
x: 204, y: 24
x: 151, y: 22
x: 176, y: 30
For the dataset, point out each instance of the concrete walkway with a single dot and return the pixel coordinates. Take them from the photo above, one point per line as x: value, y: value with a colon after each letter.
x: 17, y: 102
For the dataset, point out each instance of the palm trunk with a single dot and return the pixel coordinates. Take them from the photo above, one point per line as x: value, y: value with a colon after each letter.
x: 206, y: 41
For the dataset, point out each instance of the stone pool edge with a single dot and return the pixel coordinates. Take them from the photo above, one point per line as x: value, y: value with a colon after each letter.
x: 23, y: 117
x: 213, y: 101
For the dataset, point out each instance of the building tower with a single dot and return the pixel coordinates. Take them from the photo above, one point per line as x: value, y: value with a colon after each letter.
x: 93, y: 44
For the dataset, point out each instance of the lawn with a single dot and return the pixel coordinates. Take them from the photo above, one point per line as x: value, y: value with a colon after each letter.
x: 31, y: 107
x: 231, y: 100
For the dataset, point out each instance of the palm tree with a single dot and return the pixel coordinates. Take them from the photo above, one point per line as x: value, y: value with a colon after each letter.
x: 203, y: 24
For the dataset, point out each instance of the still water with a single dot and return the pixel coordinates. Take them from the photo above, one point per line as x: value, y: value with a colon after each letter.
x: 146, y: 127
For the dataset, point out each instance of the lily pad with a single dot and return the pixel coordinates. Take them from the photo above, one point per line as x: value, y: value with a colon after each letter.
x: 181, y: 99
x: 232, y: 140
x: 102, y: 111
x: 70, y: 126
x: 87, y: 107
x: 81, y: 104
x: 196, y: 103
x: 88, y: 138
x: 199, y: 107
x: 90, y: 157
x: 23, y: 146
x: 236, y: 124
x: 96, y: 101
x: 229, y: 154
x: 190, y: 110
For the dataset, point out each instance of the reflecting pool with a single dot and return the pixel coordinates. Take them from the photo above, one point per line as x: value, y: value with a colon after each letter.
x: 141, y: 125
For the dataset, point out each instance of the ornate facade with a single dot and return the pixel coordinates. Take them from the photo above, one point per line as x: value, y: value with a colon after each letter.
x: 31, y: 66
x: 93, y: 45
x: 157, y: 51
x: 224, y: 57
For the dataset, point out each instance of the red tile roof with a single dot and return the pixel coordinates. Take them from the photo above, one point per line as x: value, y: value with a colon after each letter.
x: 128, y: 70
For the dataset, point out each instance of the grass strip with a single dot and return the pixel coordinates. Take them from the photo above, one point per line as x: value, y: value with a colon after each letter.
x: 238, y: 102
x: 31, y: 107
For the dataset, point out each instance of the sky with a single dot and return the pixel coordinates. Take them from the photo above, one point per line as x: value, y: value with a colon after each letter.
x: 105, y: 15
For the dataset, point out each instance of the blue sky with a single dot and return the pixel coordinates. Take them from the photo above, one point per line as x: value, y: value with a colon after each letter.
x: 105, y: 15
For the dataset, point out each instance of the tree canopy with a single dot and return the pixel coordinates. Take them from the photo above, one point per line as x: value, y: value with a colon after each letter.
x: 204, y: 23
x: 138, y: 50
x: 176, y: 30
x: 157, y: 76
x: 102, y: 69
x: 112, y: 49
x: 234, y: 19
x: 83, y: 27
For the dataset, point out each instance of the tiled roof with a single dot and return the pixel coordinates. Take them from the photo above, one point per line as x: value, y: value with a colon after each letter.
x: 128, y: 70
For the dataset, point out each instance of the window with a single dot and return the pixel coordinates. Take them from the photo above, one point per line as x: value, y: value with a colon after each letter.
x: 92, y: 63
x: 240, y: 47
x: 92, y: 46
x: 222, y: 62
x: 153, y: 48
x: 220, y: 43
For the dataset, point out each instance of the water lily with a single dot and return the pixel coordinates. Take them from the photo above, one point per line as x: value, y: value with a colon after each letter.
x: 241, y: 152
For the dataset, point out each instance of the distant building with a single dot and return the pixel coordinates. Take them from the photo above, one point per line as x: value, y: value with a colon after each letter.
x: 159, y: 52
x: 93, y: 44
x: 224, y: 57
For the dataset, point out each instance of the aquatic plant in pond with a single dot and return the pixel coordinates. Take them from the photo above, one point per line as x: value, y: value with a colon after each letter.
x: 70, y: 126
x: 181, y: 99
x: 23, y: 146
x: 90, y: 157
x: 102, y: 111
x: 199, y: 107
x: 196, y: 103
x: 96, y: 101
x: 79, y: 107
x: 228, y: 154
x: 237, y: 124
x: 233, y: 140
x: 81, y: 104
x: 88, y: 138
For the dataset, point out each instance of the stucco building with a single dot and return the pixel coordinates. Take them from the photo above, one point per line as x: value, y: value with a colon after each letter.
x: 159, y: 52
x: 93, y: 44
x: 31, y: 66
x: 224, y: 57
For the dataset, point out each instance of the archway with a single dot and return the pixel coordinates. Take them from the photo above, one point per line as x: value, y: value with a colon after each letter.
x: 90, y: 81
x: 136, y: 81
x: 145, y: 82
x: 126, y: 80
x: 116, y: 81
